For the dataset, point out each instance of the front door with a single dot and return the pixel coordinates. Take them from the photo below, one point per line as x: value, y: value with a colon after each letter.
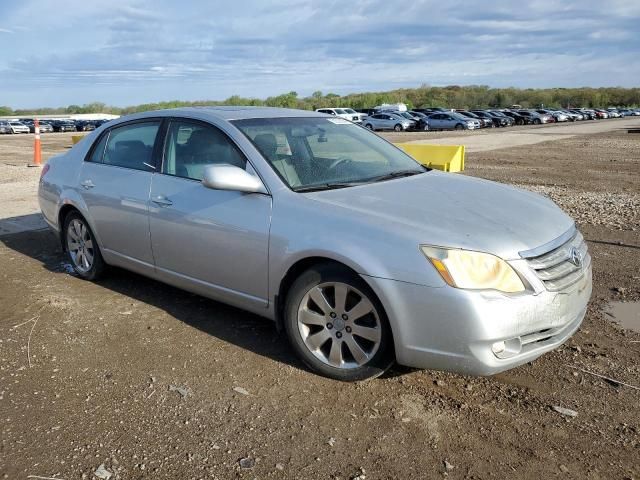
x: 214, y: 242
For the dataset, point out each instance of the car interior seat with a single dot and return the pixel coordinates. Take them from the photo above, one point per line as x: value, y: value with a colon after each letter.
x: 268, y: 146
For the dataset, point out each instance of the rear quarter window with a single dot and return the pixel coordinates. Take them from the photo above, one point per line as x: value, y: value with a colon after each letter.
x: 97, y: 151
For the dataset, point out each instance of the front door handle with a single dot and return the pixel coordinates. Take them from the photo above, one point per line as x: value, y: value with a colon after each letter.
x: 87, y: 184
x: 161, y: 200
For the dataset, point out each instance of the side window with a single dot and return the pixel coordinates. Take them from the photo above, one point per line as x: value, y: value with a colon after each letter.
x: 131, y: 146
x: 98, y: 149
x: 190, y: 147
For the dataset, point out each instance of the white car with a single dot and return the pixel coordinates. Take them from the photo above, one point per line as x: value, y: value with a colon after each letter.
x: 17, y: 127
x: 351, y: 111
x: 342, y: 113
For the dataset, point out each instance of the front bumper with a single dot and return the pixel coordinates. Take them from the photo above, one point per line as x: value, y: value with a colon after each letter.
x: 451, y: 329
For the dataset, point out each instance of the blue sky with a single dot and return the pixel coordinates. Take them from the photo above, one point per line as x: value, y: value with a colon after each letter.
x: 137, y: 51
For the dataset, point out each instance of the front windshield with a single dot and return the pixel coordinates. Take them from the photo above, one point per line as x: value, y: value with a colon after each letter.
x: 349, y: 110
x: 341, y: 111
x: 317, y: 153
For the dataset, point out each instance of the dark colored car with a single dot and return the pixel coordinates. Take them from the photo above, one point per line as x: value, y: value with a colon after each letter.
x: 102, y: 121
x: 505, y: 120
x: 518, y: 118
x: 497, y: 122
x: 423, y: 119
x: 420, y: 123
x: 430, y: 110
x: 63, y: 126
x: 366, y: 111
x: 85, y: 125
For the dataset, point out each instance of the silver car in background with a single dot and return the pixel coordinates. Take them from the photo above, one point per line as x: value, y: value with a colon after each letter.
x: 388, y: 121
x: 452, y: 121
x: 323, y: 227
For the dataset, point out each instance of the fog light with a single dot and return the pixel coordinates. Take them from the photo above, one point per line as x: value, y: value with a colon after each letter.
x: 498, y: 347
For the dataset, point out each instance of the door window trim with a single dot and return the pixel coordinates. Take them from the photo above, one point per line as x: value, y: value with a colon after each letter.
x: 107, y: 132
x: 205, y: 123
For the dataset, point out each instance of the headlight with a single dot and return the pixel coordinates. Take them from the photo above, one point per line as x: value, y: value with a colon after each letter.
x: 473, y: 270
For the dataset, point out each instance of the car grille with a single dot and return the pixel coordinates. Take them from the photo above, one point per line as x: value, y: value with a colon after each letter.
x: 558, y: 269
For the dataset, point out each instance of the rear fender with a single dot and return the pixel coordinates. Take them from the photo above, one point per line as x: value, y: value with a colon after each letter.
x: 70, y: 197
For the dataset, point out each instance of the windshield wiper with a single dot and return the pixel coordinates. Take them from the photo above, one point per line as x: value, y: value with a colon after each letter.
x: 326, y: 186
x: 398, y: 174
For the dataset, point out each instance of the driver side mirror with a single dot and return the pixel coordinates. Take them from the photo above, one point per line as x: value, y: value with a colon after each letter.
x: 230, y: 177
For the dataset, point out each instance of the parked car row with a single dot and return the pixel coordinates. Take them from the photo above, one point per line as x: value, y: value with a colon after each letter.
x: 398, y: 118
x: 27, y: 125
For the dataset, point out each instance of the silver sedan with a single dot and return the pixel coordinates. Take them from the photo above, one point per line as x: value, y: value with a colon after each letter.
x: 361, y: 255
x: 452, y: 121
x: 388, y: 121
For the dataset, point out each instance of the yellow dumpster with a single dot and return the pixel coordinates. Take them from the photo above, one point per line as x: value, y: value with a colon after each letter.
x: 448, y: 158
x: 76, y: 138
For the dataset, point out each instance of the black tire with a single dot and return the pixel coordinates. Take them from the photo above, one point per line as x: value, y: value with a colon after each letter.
x: 369, y: 126
x: 397, y: 127
x: 459, y: 126
x: 536, y: 121
x: 381, y: 360
x: 97, y: 266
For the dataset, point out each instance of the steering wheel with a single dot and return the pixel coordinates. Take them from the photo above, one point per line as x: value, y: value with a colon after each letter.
x: 339, y: 161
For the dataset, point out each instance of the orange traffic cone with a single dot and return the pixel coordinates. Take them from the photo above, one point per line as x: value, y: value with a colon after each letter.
x: 37, y: 150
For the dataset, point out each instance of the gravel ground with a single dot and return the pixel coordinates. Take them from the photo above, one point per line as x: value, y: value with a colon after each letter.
x: 134, y: 379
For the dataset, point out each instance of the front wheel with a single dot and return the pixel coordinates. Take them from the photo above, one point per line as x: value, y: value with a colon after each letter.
x: 337, y: 326
x: 459, y: 126
x: 536, y: 121
x: 397, y: 127
x: 369, y: 126
x: 82, y: 247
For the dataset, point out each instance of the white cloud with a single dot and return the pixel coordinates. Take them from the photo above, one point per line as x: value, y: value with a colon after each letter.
x: 147, y: 50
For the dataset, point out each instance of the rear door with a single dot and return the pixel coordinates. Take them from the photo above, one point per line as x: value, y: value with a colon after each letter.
x: 114, y: 182
x: 435, y: 121
x: 214, y: 242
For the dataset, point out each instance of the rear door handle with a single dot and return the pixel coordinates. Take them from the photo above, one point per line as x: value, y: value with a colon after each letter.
x: 87, y: 184
x: 161, y: 200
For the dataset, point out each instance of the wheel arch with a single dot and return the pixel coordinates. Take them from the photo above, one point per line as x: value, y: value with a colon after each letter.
x: 74, y: 202
x: 298, y: 268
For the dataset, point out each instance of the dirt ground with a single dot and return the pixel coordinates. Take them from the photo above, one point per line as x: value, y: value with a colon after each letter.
x: 148, y: 381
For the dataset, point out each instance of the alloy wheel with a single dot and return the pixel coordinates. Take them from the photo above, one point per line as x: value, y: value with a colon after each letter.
x: 80, y: 245
x: 339, y: 325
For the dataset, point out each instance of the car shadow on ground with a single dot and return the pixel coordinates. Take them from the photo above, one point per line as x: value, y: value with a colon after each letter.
x: 232, y: 325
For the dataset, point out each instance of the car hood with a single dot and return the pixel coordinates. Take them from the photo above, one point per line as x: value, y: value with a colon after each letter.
x: 454, y: 210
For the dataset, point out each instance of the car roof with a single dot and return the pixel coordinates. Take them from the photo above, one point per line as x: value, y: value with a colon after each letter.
x: 225, y: 113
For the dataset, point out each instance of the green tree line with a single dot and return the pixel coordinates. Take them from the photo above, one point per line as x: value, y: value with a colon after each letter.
x: 452, y: 96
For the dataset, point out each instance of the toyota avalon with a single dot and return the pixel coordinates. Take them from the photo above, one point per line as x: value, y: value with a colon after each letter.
x: 358, y: 253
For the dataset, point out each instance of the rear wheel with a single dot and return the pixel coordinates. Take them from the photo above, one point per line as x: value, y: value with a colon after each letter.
x: 397, y: 127
x: 337, y: 326
x: 81, y: 246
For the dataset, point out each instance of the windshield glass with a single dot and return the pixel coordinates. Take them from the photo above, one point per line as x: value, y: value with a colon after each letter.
x: 340, y: 111
x: 325, y: 152
x: 349, y: 110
